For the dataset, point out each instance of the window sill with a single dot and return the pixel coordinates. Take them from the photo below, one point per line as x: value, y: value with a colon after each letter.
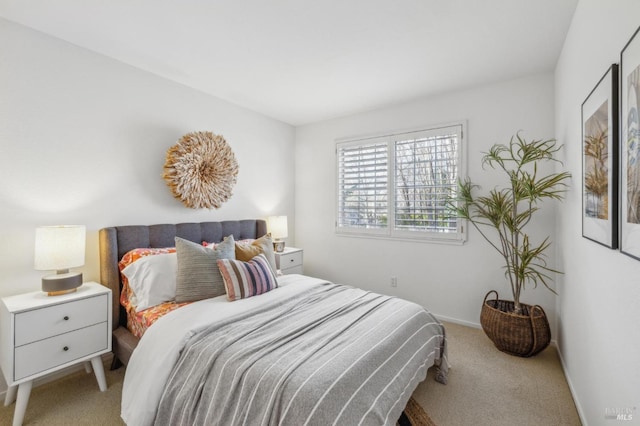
x: 422, y: 240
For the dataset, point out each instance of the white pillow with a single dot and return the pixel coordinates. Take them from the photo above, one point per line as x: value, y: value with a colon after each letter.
x: 153, y: 279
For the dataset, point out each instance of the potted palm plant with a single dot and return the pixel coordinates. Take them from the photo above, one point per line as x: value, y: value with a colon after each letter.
x: 515, y: 327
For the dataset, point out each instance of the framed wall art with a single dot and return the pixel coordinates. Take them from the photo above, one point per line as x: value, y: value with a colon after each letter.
x: 630, y: 147
x: 600, y: 161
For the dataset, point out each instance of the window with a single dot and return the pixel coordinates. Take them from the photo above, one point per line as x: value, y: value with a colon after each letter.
x: 397, y: 185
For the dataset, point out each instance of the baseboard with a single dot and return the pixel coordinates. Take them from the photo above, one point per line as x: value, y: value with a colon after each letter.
x: 457, y: 321
x: 576, y: 401
x: 106, y: 359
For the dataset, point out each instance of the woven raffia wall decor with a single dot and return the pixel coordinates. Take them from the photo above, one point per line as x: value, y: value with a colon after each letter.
x: 201, y: 170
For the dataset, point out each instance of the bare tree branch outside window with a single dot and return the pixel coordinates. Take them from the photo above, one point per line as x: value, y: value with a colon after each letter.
x: 399, y: 185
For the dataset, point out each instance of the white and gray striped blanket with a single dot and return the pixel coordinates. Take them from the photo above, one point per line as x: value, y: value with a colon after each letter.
x: 331, y: 355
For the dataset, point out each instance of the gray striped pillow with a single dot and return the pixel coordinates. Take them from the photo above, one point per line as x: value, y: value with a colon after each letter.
x: 198, y: 276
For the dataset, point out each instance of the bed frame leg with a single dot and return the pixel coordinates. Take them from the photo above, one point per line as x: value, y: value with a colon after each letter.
x: 115, y: 363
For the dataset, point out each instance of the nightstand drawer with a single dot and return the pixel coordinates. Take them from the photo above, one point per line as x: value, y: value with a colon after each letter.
x: 39, y: 324
x: 293, y: 270
x: 45, y: 354
x: 291, y: 260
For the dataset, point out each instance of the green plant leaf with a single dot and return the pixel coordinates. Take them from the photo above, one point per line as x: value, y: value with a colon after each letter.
x: 508, y: 210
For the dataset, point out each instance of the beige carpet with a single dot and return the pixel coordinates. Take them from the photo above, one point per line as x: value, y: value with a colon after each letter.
x: 486, y: 387
x: 73, y: 400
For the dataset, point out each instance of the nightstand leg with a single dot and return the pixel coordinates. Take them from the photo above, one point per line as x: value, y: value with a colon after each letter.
x: 87, y: 367
x: 98, y: 369
x: 10, y: 397
x: 24, y: 390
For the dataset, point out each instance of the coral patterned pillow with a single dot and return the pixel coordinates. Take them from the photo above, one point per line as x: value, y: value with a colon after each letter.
x: 246, y: 279
x: 127, y: 296
x: 152, y: 279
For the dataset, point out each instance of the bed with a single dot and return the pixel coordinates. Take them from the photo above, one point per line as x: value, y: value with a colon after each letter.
x: 306, y: 352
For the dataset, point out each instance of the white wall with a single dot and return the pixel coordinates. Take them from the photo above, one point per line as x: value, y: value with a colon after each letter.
x: 83, y: 140
x: 451, y: 280
x: 599, y: 314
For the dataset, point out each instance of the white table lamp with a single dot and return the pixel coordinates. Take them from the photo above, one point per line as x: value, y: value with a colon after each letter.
x: 60, y: 248
x: 277, y: 226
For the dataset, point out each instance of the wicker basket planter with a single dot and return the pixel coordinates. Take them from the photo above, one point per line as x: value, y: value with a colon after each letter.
x: 523, y: 335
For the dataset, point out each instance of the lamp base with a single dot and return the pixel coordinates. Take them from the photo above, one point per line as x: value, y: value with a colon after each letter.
x: 55, y: 285
x: 61, y: 292
x: 278, y: 246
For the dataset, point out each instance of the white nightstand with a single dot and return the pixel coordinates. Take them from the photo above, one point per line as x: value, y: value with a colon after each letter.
x: 41, y: 334
x: 289, y: 261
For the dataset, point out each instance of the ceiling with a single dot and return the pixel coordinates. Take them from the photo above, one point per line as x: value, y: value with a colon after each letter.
x: 303, y: 61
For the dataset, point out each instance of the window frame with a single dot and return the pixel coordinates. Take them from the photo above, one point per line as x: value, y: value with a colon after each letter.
x: 390, y: 139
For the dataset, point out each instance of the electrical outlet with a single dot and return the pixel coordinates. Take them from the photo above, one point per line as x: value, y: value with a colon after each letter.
x: 394, y: 281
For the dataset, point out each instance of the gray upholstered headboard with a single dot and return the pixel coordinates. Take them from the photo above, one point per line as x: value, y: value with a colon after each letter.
x: 118, y: 240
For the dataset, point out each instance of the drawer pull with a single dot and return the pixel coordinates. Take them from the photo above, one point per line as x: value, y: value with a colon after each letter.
x: 66, y: 348
x: 291, y: 260
x: 66, y: 318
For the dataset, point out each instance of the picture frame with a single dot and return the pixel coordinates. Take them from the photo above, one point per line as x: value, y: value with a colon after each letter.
x: 600, y: 143
x: 630, y: 147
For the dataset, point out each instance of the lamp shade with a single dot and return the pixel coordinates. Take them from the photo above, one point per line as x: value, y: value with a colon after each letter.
x: 277, y: 226
x: 59, y: 247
